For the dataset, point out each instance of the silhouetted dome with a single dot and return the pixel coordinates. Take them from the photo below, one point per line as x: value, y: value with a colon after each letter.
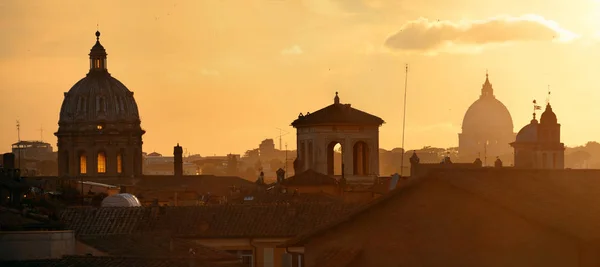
x: 529, y: 133
x: 487, y: 113
x: 548, y: 117
x: 99, y: 97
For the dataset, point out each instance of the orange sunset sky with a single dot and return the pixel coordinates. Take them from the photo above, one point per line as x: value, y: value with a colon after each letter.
x: 220, y: 76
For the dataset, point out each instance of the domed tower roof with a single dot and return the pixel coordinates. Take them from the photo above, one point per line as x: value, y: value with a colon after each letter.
x: 99, y: 97
x: 487, y: 113
x: 529, y: 133
x: 548, y: 117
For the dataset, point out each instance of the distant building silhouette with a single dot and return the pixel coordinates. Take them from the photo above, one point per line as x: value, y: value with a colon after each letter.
x: 538, y: 145
x: 487, y: 128
x: 99, y: 131
x: 356, y: 131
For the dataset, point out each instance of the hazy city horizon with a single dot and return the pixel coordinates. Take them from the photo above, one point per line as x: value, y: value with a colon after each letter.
x: 199, y: 76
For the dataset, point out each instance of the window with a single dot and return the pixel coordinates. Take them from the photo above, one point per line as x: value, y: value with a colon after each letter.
x: 82, y: 164
x: 119, y: 163
x: 101, y: 162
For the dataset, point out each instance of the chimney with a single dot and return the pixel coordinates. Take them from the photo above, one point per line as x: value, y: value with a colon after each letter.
x: 178, y: 160
x: 280, y: 175
x: 8, y: 160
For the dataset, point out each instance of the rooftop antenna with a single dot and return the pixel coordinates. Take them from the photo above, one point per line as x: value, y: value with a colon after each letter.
x: 41, y: 133
x: 19, y: 141
x: 404, y: 120
x: 280, y: 135
x: 286, y: 161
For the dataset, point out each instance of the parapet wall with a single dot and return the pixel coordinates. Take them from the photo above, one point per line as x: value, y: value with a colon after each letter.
x: 33, y: 245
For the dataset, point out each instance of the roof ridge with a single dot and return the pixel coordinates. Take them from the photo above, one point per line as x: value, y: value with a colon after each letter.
x: 401, y: 188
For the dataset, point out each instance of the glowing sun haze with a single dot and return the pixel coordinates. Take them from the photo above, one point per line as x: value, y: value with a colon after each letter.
x: 220, y: 76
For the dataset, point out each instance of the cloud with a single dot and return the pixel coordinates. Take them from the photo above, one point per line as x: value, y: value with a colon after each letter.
x: 294, y: 50
x: 424, y: 35
x: 208, y: 72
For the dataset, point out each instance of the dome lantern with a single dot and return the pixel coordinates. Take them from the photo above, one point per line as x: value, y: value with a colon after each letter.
x: 97, y: 56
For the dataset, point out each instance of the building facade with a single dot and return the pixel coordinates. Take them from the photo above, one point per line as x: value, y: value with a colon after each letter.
x: 99, y: 133
x: 356, y: 132
x: 487, y: 129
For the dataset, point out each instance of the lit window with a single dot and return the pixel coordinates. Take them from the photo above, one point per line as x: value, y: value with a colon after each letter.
x: 82, y: 164
x: 101, y: 162
x: 99, y: 127
x: 119, y: 163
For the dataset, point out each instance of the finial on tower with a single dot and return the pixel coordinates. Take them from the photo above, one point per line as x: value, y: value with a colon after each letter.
x: 97, y: 35
x: 548, y: 97
x: 535, y: 107
x: 336, y: 99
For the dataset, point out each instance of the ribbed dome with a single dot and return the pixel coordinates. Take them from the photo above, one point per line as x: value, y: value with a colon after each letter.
x: 99, y: 97
x: 487, y: 113
x: 529, y: 133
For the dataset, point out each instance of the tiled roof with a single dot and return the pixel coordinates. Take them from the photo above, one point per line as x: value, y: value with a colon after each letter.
x: 268, y: 220
x: 554, y: 198
x: 90, y: 261
x: 338, y: 114
x: 155, y: 246
x: 288, y: 197
x: 310, y: 178
x: 203, y: 184
x: 339, y: 257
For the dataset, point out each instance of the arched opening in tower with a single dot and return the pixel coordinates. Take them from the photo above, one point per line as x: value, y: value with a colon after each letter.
x: 360, y: 158
x: 334, y: 158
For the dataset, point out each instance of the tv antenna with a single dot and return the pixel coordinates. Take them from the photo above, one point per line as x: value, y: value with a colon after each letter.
x: 41, y: 129
x: 404, y: 120
x: 281, y: 134
x: 19, y: 141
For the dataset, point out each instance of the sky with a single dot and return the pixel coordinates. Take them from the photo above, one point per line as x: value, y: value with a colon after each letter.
x: 220, y: 76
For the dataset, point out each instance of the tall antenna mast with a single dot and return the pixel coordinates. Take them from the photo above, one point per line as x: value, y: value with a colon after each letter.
x: 41, y: 133
x: 19, y: 141
x: 286, y: 161
x: 280, y: 135
x: 404, y: 120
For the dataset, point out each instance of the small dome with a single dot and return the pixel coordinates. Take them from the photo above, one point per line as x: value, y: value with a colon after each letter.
x: 548, y: 117
x: 529, y: 133
x: 121, y: 200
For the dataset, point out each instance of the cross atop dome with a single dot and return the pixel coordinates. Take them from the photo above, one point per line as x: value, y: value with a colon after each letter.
x: 336, y: 99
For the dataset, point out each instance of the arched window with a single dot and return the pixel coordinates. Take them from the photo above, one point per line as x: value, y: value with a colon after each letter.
x: 101, y: 162
x: 82, y: 164
x: 119, y: 163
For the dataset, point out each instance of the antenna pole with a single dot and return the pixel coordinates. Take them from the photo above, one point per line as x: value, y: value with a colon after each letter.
x: 286, y: 161
x: 19, y: 141
x: 42, y: 133
x: 404, y: 120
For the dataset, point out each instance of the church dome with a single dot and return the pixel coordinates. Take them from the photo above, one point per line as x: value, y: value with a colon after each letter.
x: 99, y: 97
x: 487, y: 113
x: 529, y: 133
